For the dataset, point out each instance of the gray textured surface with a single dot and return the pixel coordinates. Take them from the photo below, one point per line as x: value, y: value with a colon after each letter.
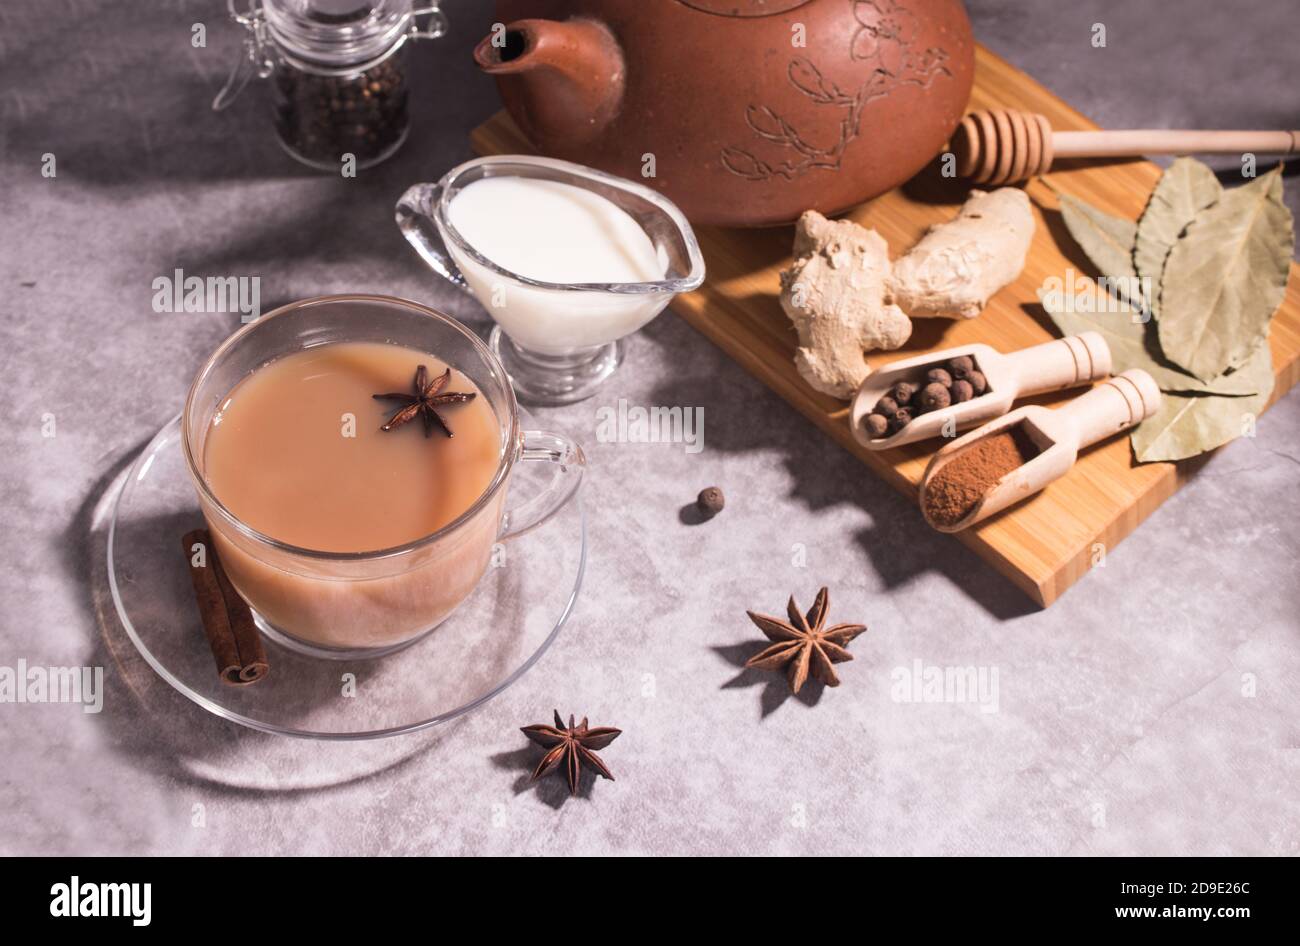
x: 1123, y: 724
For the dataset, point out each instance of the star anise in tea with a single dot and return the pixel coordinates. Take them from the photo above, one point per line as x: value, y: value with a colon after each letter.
x: 424, y: 402
x: 804, y: 644
x: 572, y: 746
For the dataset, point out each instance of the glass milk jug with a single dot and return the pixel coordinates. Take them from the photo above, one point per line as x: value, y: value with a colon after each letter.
x: 559, y: 338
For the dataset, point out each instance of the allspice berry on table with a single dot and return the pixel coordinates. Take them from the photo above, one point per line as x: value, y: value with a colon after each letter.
x: 961, y: 391
x: 934, y: 396
x: 938, y: 376
x: 710, y: 501
x: 979, y: 384
x: 877, y: 425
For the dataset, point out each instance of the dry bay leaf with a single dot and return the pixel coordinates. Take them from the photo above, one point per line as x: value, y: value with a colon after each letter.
x: 1107, y: 240
x: 1185, y: 189
x: 1188, y: 424
x: 1131, y: 345
x: 1225, y: 277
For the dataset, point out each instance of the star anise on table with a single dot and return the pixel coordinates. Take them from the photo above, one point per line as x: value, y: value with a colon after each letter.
x: 425, y: 402
x: 571, y: 745
x: 804, y: 644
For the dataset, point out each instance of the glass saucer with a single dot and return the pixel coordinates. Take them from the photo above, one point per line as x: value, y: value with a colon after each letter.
x: 491, y: 640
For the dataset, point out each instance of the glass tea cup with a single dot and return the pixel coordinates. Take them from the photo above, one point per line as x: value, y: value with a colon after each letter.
x: 558, y: 341
x: 367, y: 603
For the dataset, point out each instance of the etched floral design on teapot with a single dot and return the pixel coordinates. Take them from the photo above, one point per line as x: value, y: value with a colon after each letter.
x: 883, y: 42
x: 743, y: 112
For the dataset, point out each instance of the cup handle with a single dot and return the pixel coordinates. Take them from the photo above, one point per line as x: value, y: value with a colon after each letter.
x: 415, y: 220
x: 569, y: 465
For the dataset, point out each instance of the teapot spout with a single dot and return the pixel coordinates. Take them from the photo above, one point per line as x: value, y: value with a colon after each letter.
x: 562, y: 80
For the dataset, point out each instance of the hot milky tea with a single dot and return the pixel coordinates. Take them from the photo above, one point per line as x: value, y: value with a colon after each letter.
x: 283, y: 457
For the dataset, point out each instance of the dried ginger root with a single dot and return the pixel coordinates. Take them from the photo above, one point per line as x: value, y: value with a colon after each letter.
x: 835, y: 296
x: 958, y: 265
x: 845, y: 298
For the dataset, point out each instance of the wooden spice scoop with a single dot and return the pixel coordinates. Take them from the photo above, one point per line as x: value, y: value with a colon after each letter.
x: 1059, y: 434
x: 1052, y: 366
x: 1004, y: 145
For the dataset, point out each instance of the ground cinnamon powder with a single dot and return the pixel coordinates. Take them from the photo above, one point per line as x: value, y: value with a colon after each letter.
x: 962, y: 481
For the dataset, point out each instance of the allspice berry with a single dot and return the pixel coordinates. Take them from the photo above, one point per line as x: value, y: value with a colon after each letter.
x: 877, y: 425
x: 710, y: 502
x: 961, y: 367
x: 934, y: 396
x: 978, y: 382
x: 886, y: 405
x: 938, y: 376
x: 900, y: 419
x: 902, y: 392
x: 961, y: 391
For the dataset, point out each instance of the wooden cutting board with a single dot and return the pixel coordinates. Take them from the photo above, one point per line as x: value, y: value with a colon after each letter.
x: 1043, y: 545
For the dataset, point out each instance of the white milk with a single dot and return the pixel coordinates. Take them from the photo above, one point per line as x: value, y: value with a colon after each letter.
x: 555, y: 232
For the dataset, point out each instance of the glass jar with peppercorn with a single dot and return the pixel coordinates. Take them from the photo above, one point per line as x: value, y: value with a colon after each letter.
x: 338, y: 71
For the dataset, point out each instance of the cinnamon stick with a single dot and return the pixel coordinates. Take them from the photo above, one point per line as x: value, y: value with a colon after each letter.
x: 227, y: 619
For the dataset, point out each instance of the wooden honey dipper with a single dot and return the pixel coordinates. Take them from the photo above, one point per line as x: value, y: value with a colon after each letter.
x: 1005, y: 146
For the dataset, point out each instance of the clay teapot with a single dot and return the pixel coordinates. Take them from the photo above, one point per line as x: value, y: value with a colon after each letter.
x: 743, y: 112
